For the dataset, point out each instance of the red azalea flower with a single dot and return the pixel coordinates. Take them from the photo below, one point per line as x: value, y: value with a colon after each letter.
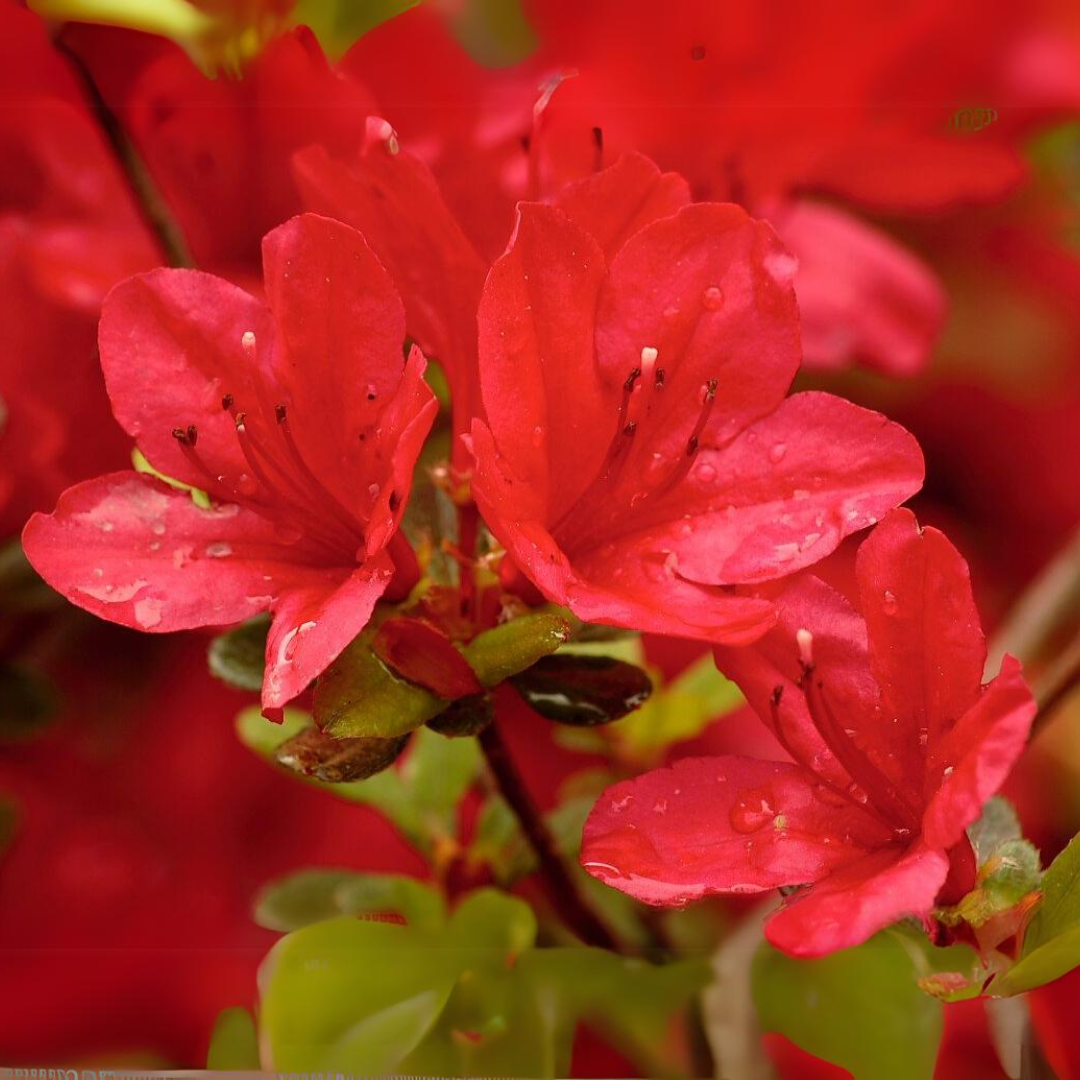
x: 299, y: 422
x: 639, y: 456
x: 895, y: 746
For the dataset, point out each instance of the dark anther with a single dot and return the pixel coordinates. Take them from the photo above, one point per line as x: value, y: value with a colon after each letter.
x: 395, y: 501
x: 371, y: 395
x: 777, y: 695
x: 180, y: 435
x: 630, y: 428
x: 525, y: 143
x: 710, y: 389
x: 659, y: 377
x: 192, y: 435
x: 281, y: 413
x: 691, y: 445
x: 632, y: 378
x: 598, y: 137
x: 697, y: 52
x: 227, y: 402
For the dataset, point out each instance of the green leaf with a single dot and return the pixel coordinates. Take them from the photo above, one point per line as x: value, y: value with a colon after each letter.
x: 234, y: 1043
x: 338, y: 761
x: 505, y: 650
x: 310, y: 896
x: 493, y: 924
x: 359, y: 696
x: 338, y: 24
x: 997, y: 824
x: 347, y: 994
x: 1052, y: 940
x: 860, y: 1009
x: 141, y: 465
x: 464, y: 718
x: 583, y: 691
x: 238, y: 657
x: 263, y: 736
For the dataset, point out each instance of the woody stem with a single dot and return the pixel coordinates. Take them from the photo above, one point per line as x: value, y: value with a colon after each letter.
x: 144, y: 190
x: 562, y: 890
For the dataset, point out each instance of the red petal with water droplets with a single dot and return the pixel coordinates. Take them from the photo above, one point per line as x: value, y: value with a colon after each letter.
x: 859, y: 899
x: 721, y: 825
x: 976, y: 755
x: 617, y: 202
x: 927, y: 648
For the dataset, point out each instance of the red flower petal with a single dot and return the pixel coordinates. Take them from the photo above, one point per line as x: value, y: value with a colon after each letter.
x: 710, y: 290
x: 857, y: 900
x: 422, y: 653
x: 863, y: 298
x: 393, y: 199
x: 313, y: 623
x: 138, y: 553
x: 976, y: 755
x: 341, y: 325
x: 617, y: 202
x: 171, y: 347
x: 785, y: 492
x: 551, y: 416
x: 926, y: 645
x: 720, y: 825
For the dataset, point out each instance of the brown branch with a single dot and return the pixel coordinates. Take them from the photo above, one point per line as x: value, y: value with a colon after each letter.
x: 559, y: 885
x: 155, y: 211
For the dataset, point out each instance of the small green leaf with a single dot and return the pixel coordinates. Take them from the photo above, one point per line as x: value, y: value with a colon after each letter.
x: 359, y: 696
x: 997, y: 824
x: 1052, y: 940
x: 493, y: 924
x: 583, y: 691
x: 338, y: 761
x: 310, y: 896
x: 860, y: 1009
x: 238, y: 657
x: 234, y: 1043
x: 141, y: 465
x: 505, y: 650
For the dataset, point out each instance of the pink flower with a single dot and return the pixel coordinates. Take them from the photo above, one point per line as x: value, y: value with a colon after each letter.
x: 895, y: 746
x: 300, y: 420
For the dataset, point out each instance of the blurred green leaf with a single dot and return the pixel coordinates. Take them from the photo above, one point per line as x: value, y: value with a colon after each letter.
x: 493, y: 925
x: 339, y: 23
x: 238, y: 656
x: 310, y: 896
x: 234, y: 1043
x: 21, y: 589
x: 1004, y: 879
x: 860, y: 1009
x: 997, y: 824
x: 1052, y: 939
x: 499, y: 653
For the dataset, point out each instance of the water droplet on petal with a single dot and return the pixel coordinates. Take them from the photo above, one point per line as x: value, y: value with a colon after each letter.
x: 889, y: 602
x: 752, y: 811
x: 776, y: 454
x: 537, y: 435
x: 218, y: 550
x: 660, y: 806
x: 158, y: 528
x: 712, y: 299
x: 619, y: 805
x: 705, y: 473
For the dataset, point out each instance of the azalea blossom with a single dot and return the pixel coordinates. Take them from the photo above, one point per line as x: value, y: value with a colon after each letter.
x: 637, y: 457
x: 298, y: 417
x: 894, y: 747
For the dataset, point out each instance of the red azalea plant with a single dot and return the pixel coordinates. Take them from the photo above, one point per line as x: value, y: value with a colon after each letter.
x: 644, y: 731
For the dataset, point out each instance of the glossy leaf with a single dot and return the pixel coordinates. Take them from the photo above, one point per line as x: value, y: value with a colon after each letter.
x: 499, y: 653
x: 1052, y: 940
x: 859, y: 1008
x: 583, y: 691
x: 233, y: 1044
x: 238, y: 656
x: 310, y: 896
x: 338, y: 761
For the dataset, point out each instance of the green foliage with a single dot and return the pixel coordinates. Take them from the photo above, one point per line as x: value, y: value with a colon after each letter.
x: 420, y: 795
x: 467, y: 996
x: 860, y: 1009
x: 583, y: 691
x: 311, y: 896
x: 1052, y: 940
x: 238, y: 656
x: 234, y: 1043
x: 504, y: 651
x: 997, y: 825
x: 339, y: 23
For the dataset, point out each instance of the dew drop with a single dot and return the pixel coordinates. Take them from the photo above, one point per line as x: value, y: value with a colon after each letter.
x: 158, y: 528
x: 889, y: 603
x: 752, y: 811
x: 712, y: 299
x: 619, y: 805
x: 660, y: 806
x: 705, y: 473
x: 776, y: 454
x: 218, y: 550
x: 537, y: 435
